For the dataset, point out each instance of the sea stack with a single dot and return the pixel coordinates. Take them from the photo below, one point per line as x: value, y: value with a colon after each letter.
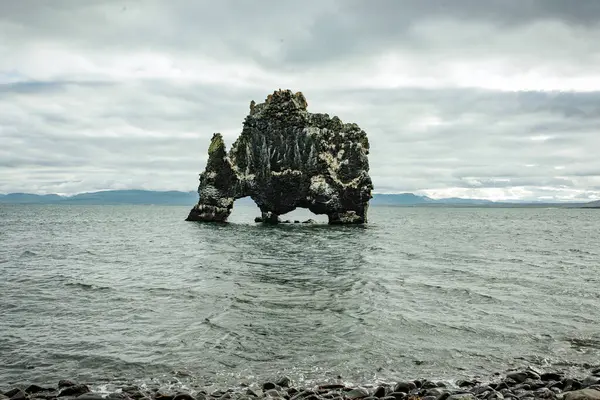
x: 286, y: 158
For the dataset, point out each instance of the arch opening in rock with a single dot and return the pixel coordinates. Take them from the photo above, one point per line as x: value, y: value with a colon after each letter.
x: 287, y: 158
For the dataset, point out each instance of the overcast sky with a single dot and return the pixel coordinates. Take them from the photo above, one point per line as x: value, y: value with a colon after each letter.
x: 496, y: 99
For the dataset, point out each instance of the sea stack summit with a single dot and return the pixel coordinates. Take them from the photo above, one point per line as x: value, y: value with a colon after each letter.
x: 286, y: 158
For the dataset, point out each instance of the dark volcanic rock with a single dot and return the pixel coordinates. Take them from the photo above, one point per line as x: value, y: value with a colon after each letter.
x: 396, y: 395
x: 268, y: 386
x: 379, y: 392
x: 32, y: 389
x: 283, y: 381
x: 16, y: 394
x: 74, y: 390
x: 404, y: 387
x: 357, y: 393
x: 65, y: 383
x: 286, y: 158
x: 551, y: 376
x: 518, y: 377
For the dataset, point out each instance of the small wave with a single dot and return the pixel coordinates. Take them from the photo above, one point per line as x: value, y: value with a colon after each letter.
x: 584, y: 342
x: 461, y: 291
x: 28, y: 253
x: 87, y: 286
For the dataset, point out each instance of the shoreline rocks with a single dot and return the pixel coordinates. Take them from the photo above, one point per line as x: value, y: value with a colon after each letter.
x: 526, y: 384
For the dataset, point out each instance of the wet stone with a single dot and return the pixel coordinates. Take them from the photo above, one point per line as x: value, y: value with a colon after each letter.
x: 31, y: 389
x: 357, y: 393
x: 544, y: 393
x: 3, y: 397
x: 572, y: 385
x: 551, y: 376
x: 163, y: 396
x: 122, y: 396
x: 284, y: 382
x: 331, y: 386
x: 404, y: 387
x: 493, y: 395
x: 14, y: 392
x: 379, y: 392
x: 590, y: 380
x: 65, y: 383
x: 268, y: 386
x: 20, y: 395
x: 461, y: 396
x: 517, y: 377
x: 397, y: 395
x: 303, y: 394
x: 428, y: 384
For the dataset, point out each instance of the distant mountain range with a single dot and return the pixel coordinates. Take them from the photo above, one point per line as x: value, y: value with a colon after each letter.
x: 109, y: 197
x: 106, y: 197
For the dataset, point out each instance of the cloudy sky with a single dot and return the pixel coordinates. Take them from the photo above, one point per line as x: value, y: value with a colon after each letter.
x: 495, y: 99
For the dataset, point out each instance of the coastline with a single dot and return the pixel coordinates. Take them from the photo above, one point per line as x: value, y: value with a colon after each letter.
x: 522, y: 384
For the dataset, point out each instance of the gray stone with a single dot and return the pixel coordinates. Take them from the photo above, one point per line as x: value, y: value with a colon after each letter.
x: 3, y: 397
x: 268, y: 386
x: 462, y: 396
x: 163, y: 396
x: 287, y: 158
x: 590, y: 380
x: 31, y: 389
x: 404, y: 387
x: 16, y: 393
x: 357, y: 393
x: 123, y: 396
x: 551, y: 376
x: 379, y: 392
x: 20, y: 395
x: 284, y: 381
x: 65, y: 383
x: 518, y: 377
x: 493, y: 395
x: 584, y: 394
x: 74, y: 391
x: 544, y: 393
x: 396, y: 395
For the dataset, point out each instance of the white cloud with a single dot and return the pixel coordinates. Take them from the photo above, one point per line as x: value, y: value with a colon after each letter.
x: 487, y: 102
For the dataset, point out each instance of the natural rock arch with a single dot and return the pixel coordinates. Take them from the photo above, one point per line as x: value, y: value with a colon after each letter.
x: 286, y: 158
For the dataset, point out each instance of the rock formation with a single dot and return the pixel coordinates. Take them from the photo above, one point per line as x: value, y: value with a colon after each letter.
x: 286, y: 158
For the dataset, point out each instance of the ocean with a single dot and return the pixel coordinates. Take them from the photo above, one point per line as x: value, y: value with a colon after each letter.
x: 105, y: 294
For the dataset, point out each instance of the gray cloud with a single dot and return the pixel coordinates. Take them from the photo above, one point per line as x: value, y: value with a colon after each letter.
x: 497, y: 99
